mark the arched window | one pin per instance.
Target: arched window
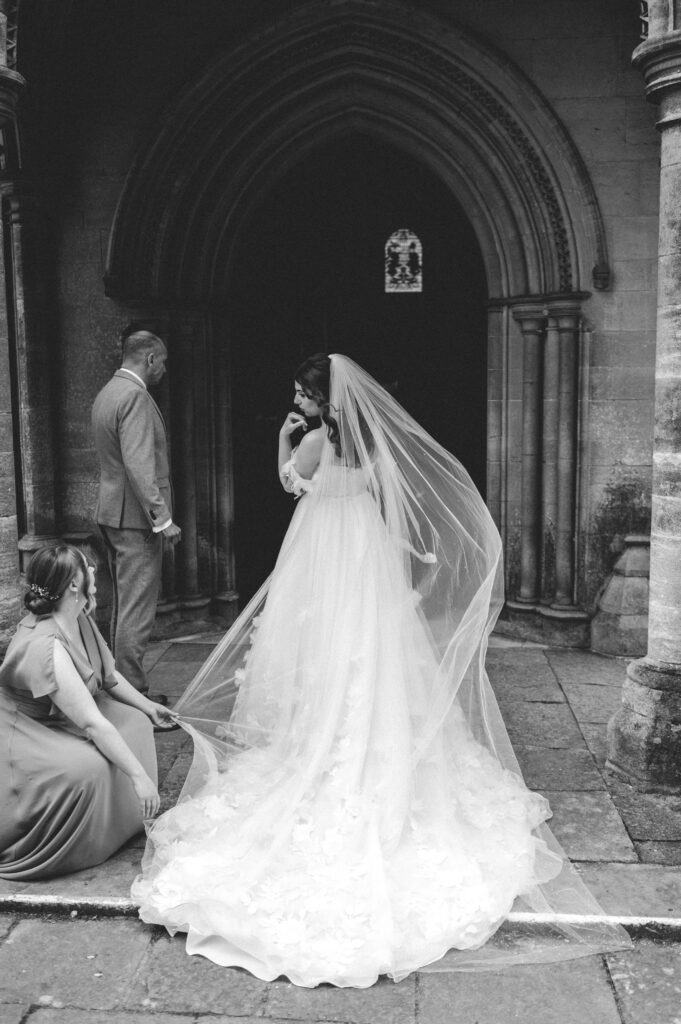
(403, 262)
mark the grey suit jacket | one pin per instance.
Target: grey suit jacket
(130, 438)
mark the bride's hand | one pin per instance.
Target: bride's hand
(292, 422)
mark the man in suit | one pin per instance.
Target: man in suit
(134, 508)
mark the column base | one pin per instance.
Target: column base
(556, 627)
(644, 736)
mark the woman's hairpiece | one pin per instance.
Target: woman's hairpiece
(43, 592)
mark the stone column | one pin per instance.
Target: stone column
(11, 84)
(495, 413)
(645, 734)
(532, 321)
(550, 427)
(226, 597)
(34, 372)
(567, 318)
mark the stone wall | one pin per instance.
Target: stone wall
(100, 82)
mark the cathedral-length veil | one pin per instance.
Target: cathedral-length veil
(353, 787)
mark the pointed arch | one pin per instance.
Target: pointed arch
(334, 68)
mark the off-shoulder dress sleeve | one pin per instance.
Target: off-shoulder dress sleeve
(289, 474)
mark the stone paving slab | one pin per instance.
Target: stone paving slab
(542, 725)
(647, 983)
(659, 853)
(168, 979)
(596, 740)
(180, 653)
(559, 769)
(112, 879)
(647, 816)
(384, 1003)
(16, 1014)
(577, 992)
(518, 674)
(589, 828)
(591, 703)
(636, 890)
(574, 666)
(85, 964)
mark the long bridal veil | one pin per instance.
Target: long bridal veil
(441, 563)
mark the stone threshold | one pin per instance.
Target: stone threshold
(659, 928)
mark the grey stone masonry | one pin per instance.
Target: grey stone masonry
(645, 734)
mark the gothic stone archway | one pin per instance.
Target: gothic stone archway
(442, 96)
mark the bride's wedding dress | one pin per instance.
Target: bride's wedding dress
(349, 816)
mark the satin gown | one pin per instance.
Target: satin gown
(327, 851)
(63, 805)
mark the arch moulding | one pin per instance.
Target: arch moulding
(435, 91)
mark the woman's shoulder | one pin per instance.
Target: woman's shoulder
(314, 440)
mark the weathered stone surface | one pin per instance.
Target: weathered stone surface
(56, 1016)
(171, 980)
(542, 725)
(522, 674)
(655, 852)
(6, 923)
(15, 1013)
(562, 769)
(196, 651)
(634, 889)
(113, 878)
(589, 828)
(87, 964)
(647, 816)
(644, 742)
(568, 993)
(585, 667)
(596, 740)
(647, 982)
(593, 704)
(382, 1003)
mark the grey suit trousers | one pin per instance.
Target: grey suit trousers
(135, 559)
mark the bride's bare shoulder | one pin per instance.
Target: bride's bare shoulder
(313, 441)
(310, 452)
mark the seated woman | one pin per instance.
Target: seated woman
(77, 757)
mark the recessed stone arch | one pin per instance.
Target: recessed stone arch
(442, 95)
(327, 68)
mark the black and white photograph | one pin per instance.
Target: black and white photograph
(340, 511)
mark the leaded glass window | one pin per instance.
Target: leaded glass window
(403, 262)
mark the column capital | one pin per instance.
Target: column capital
(659, 61)
(530, 314)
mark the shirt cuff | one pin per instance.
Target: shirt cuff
(162, 527)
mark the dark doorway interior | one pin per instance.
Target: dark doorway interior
(308, 277)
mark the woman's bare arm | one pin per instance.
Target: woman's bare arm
(75, 701)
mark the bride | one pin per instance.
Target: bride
(354, 807)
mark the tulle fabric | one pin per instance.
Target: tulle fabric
(354, 807)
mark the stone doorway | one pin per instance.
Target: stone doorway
(308, 275)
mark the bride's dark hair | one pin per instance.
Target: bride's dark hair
(314, 376)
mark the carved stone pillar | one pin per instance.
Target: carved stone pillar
(11, 84)
(566, 316)
(226, 597)
(495, 413)
(532, 322)
(550, 429)
(34, 372)
(644, 735)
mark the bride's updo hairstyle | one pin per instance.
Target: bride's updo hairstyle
(314, 377)
(49, 573)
